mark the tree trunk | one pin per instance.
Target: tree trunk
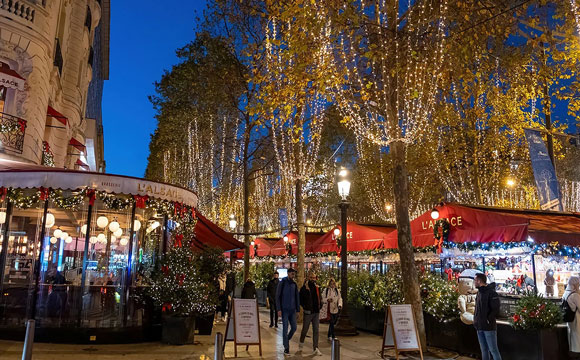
(246, 209)
(301, 232)
(409, 273)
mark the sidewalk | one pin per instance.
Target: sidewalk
(363, 346)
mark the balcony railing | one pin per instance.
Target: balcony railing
(58, 57)
(12, 131)
(19, 8)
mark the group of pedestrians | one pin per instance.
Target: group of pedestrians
(286, 299)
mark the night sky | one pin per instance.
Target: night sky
(144, 37)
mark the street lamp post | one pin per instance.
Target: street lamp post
(344, 326)
(233, 224)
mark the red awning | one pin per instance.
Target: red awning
(11, 79)
(82, 164)
(50, 111)
(279, 247)
(359, 237)
(264, 246)
(209, 234)
(77, 144)
(467, 224)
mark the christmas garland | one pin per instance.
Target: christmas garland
(183, 213)
(424, 250)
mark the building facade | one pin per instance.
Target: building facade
(54, 58)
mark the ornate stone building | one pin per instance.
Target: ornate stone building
(54, 57)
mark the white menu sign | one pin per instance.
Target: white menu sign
(246, 325)
(403, 323)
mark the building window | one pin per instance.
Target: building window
(58, 61)
(88, 19)
(2, 98)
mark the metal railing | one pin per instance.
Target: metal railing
(58, 60)
(12, 131)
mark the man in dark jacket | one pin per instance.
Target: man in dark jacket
(272, 286)
(486, 310)
(288, 304)
(249, 290)
(311, 304)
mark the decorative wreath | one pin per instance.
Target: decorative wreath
(442, 224)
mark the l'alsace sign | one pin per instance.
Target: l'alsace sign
(453, 221)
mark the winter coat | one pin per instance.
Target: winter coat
(272, 287)
(486, 308)
(249, 290)
(287, 297)
(336, 303)
(310, 298)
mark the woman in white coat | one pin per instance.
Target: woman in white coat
(331, 304)
(572, 295)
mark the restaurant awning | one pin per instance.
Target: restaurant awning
(22, 175)
(209, 234)
(360, 237)
(264, 246)
(488, 224)
(51, 112)
(77, 144)
(11, 79)
(280, 247)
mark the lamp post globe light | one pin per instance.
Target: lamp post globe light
(233, 225)
(344, 327)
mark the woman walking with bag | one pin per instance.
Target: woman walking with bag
(572, 297)
(331, 306)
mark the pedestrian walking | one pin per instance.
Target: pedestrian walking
(271, 290)
(572, 297)
(484, 319)
(249, 290)
(288, 304)
(311, 303)
(331, 306)
(222, 307)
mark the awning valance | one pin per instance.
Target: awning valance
(77, 144)
(280, 247)
(21, 176)
(11, 79)
(55, 114)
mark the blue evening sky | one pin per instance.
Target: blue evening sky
(144, 37)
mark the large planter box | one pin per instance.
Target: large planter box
(367, 320)
(204, 323)
(178, 330)
(261, 294)
(513, 344)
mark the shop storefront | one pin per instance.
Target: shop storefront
(76, 248)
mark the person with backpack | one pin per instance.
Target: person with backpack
(570, 305)
(486, 310)
(288, 304)
(331, 306)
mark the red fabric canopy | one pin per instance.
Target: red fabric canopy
(359, 237)
(467, 224)
(82, 164)
(264, 246)
(280, 247)
(209, 234)
(77, 144)
(55, 114)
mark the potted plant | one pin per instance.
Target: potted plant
(182, 292)
(535, 322)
